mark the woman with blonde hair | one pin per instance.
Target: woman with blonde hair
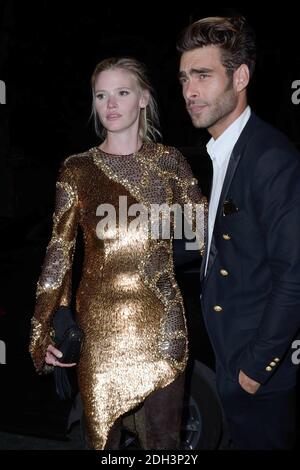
(128, 302)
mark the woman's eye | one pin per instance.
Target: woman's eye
(100, 96)
(124, 92)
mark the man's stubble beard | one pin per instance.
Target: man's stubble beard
(224, 105)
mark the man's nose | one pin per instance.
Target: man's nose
(191, 90)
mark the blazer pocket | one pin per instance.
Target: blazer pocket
(229, 207)
(233, 215)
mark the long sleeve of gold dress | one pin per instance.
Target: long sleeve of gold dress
(127, 302)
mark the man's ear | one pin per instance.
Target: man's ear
(144, 100)
(241, 78)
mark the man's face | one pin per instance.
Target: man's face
(209, 92)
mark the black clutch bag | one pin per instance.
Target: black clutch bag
(68, 339)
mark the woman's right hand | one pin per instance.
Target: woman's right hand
(53, 355)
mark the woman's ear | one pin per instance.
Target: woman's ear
(144, 100)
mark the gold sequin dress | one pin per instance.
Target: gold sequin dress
(127, 302)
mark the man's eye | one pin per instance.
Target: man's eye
(202, 76)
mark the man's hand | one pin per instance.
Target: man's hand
(247, 384)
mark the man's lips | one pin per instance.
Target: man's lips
(196, 108)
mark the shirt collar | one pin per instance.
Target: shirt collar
(220, 149)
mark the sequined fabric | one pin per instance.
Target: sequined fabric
(127, 302)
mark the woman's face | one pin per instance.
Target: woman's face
(118, 100)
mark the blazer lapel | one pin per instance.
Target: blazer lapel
(232, 166)
(203, 263)
(211, 258)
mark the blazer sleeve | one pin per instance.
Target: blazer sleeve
(276, 192)
(54, 283)
(188, 195)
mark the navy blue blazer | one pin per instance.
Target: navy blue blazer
(251, 291)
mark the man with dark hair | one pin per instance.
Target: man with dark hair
(251, 270)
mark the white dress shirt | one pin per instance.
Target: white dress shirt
(220, 151)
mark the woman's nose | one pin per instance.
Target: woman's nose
(112, 102)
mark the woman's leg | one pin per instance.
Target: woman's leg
(114, 436)
(158, 422)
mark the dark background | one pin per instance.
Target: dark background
(48, 51)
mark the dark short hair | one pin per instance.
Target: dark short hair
(233, 36)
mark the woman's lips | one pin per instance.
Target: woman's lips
(112, 117)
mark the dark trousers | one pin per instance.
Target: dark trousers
(266, 420)
(157, 422)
